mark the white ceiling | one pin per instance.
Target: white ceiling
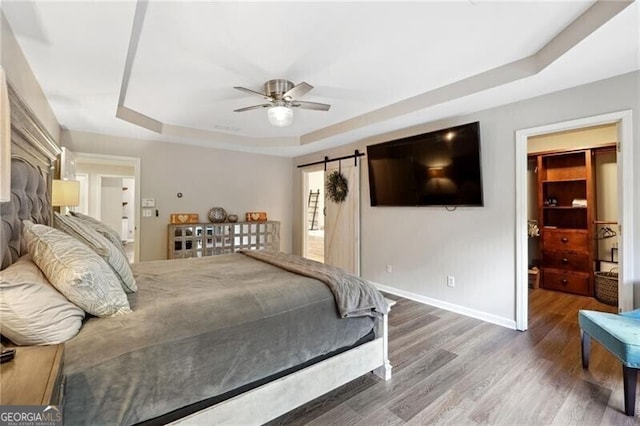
(382, 66)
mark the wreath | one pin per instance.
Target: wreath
(337, 187)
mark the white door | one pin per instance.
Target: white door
(111, 203)
(342, 221)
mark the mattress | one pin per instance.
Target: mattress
(200, 328)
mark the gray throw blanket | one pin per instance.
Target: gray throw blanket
(354, 296)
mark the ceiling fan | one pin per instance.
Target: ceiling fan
(282, 95)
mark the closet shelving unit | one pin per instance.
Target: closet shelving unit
(566, 204)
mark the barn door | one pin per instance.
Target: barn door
(342, 221)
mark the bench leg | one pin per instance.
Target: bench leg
(586, 348)
(629, 378)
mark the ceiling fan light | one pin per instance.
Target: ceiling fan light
(280, 116)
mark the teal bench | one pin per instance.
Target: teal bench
(620, 335)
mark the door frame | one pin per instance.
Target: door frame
(120, 160)
(624, 120)
(305, 210)
(83, 178)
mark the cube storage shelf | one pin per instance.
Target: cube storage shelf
(210, 239)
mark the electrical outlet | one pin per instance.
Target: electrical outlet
(451, 281)
(389, 269)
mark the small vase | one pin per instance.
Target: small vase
(217, 215)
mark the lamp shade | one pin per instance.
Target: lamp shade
(280, 116)
(65, 193)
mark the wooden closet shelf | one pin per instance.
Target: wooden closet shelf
(564, 208)
(564, 180)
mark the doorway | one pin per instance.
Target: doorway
(111, 191)
(623, 120)
(314, 211)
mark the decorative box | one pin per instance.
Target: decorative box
(184, 218)
(256, 216)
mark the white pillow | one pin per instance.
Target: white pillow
(101, 245)
(75, 270)
(32, 312)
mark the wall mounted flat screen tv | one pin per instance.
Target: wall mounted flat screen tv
(440, 168)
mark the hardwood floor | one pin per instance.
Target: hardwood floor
(315, 245)
(452, 369)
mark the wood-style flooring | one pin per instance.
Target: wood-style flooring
(452, 369)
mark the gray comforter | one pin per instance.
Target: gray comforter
(354, 297)
(199, 328)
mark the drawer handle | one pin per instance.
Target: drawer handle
(564, 239)
(564, 281)
(565, 260)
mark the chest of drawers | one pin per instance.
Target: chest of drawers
(565, 261)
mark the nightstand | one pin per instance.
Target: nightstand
(34, 377)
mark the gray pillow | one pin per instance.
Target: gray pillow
(103, 247)
(32, 311)
(102, 229)
(75, 270)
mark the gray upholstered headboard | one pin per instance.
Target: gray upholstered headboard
(33, 153)
(29, 200)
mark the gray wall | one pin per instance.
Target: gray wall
(476, 245)
(238, 182)
(424, 245)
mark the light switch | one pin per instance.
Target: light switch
(147, 212)
(148, 202)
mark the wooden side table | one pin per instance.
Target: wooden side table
(34, 377)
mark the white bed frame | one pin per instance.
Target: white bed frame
(273, 399)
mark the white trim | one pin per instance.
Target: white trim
(625, 205)
(521, 242)
(304, 174)
(626, 179)
(83, 178)
(493, 319)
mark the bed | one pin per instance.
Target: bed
(231, 339)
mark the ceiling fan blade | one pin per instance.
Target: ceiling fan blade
(311, 105)
(251, 92)
(297, 91)
(252, 107)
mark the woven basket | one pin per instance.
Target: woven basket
(606, 286)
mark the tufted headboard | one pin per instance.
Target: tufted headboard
(29, 200)
(33, 152)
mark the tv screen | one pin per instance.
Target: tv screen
(440, 168)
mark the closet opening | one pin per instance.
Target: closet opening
(572, 215)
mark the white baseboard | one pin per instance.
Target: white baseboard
(484, 316)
